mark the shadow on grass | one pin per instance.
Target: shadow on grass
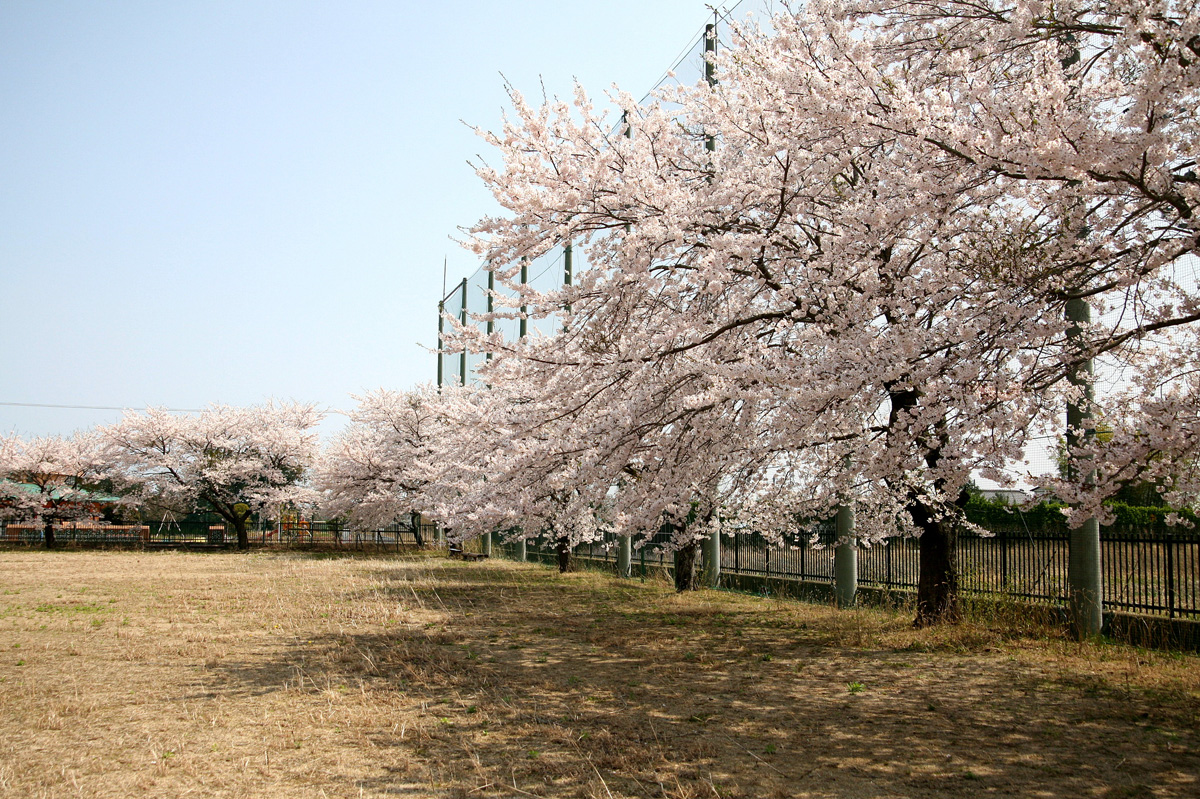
(579, 684)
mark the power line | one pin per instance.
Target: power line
(126, 408)
(43, 404)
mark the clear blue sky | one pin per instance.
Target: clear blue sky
(232, 201)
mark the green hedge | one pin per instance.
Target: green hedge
(1048, 517)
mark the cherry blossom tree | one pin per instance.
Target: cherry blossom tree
(46, 479)
(232, 461)
(375, 472)
(478, 451)
(862, 294)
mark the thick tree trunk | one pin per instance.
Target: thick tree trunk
(686, 572)
(48, 535)
(563, 546)
(937, 569)
(416, 525)
(243, 538)
(937, 575)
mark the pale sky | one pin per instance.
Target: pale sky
(233, 201)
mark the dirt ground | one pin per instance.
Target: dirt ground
(292, 675)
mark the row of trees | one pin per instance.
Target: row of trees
(235, 462)
(857, 271)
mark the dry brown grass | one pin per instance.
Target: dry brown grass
(285, 675)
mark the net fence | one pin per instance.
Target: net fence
(498, 309)
(484, 302)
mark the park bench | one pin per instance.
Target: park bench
(456, 551)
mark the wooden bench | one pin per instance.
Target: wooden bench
(457, 552)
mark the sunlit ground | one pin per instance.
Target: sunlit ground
(289, 675)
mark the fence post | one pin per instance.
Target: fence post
(625, 556)
(1004, 559)
(845, 559)
(888, 558)
(1170, 538)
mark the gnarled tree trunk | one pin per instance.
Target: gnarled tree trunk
(937, 568)
(239, 525)
(48, 535)
(563, 547)
(687, 561)
(937, 573)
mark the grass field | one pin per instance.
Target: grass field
(292, 675)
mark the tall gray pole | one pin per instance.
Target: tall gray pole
(625, 542)
(491, 326)
(845, 559)
(711, 552)
(524, 324)
(625, 556)
(522, 545)
(712, 560)
(568, 275)
(463, 320)
(1084, 579)
(441, 322)
(710, 71)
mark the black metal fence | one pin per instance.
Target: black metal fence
(216, 534)
(1153, 571)
(1148, 571)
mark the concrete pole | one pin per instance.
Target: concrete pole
(463, 320)
(625, 556)
(712, 561)
(711, 575)
(491, 325)
(845, 559)
(1084, 579)
(441, 323)
(710, 72)
(524, 323)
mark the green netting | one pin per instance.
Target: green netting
(546, 272)
(451, 363)
(477, 308)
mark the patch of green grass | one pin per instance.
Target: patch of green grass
(74, 607)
